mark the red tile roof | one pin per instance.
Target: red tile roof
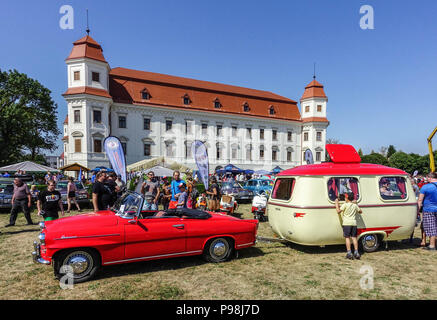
(315, 119)
(314, 89)
(86, 47)
(126, 86)
(66, 120)
(87, 90)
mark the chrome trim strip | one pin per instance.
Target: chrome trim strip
(83, 237)
(333, 207)
(245, 244)
(151, 257)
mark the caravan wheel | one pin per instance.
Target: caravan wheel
(370, 242)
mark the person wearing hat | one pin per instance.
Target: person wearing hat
(183, 195)
(384, 189)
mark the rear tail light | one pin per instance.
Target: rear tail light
(299, 214)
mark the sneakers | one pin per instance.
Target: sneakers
(349, 256)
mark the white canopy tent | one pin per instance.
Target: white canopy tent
(27, 166)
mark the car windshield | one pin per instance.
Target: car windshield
(127, 205)
(231, 185)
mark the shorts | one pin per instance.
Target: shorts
(350, 231)
(430, 223)
(72, 194)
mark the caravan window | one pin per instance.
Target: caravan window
(283, 188)
(392, 188)
(337, 187)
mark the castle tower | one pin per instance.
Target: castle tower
(313, 113)
(88, 102)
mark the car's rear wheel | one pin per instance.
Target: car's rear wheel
(218, 250)
(77, 265)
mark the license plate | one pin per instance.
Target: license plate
(245, 197)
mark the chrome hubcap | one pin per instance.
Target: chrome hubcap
(370, 241)
(79, 262)
(219, 249)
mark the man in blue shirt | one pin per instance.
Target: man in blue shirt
(428, 200)
(175, 185)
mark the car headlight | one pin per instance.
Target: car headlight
(42, 225)
(42, 238)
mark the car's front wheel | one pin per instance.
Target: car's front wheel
(77, 265)
(218, 250)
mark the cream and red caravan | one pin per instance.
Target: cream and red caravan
(301, 208)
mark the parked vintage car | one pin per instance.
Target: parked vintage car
(82, 196)
(77, 246)
(6, 191)
(258, 185)
(235, 189)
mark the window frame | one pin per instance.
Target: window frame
(392, 200)
(149, 124)
(120, 122)
(94, 116)
(342, 177)
(293, 187)
(95, 76)
(76, 114)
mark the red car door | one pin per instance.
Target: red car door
(154, 238)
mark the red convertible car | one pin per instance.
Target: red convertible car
(78, 246)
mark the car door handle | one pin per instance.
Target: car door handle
(179, 226)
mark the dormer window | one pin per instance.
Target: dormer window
(271, 110)
(186, 99)
(246, 107)
(96, 76)
(217, 104)
(145, 95)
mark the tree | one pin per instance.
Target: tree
(332, 141)
(375, 158)
(28, 118)
(390, 151)
(360, 153)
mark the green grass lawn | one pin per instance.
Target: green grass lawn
(269, 270)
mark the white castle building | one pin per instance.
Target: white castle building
(157, 115)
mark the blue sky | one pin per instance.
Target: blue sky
(381, 83)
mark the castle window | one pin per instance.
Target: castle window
(246, 107)
(289, 135)
(274, 135)
(147, 149)
(124, 147)
(305, 136)
(307, 108)
(122, 122)
(96, 76)
(146, 124)
(76, 75)
(319, 108)
(97, 116)
(77, 145)
(77, 116)
(168, 125)
(97, 145)
(261, 134)
(145, 95)
(318, 156)
(319, 136)
(271, 110)
(217, 104)
(186, 99)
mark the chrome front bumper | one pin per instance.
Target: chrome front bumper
(36, 255)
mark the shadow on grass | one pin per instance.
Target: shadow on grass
(145, 267)
(18, 231)
(385, 246)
